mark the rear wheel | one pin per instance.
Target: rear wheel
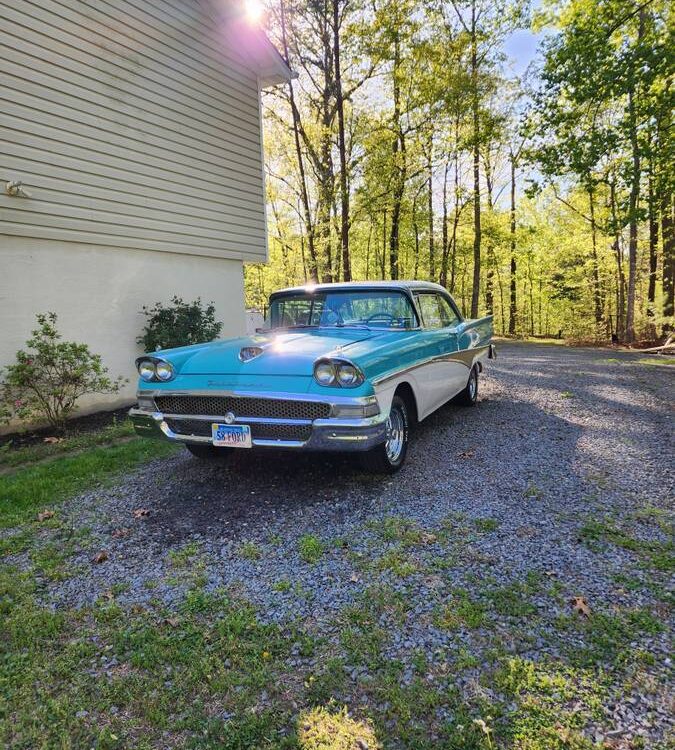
(388, 457)
(469, 395)
(209, 452)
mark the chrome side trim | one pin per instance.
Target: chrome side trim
(449, 357)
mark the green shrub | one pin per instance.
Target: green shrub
(46, 382)
(178, 324)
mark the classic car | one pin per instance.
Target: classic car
(338, 367)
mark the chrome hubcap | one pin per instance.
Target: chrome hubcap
(395, 435)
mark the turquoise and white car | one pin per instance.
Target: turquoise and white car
(339, 367)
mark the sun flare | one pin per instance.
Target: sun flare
(254, 10)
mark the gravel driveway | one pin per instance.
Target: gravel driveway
(560, 484)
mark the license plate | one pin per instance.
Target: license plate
(231, 435)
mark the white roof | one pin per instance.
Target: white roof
(345, 285)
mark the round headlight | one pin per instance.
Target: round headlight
(325, 373)
(164, 370)
(146, 369)
(347, 375)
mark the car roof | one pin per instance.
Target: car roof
(408, 286)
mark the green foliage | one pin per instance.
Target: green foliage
(310, 548)
(179, 324)
(581, 249)
(46, 381)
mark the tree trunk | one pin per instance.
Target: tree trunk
(490, 259)
(430, 202)
(597, 295)
(668, 251)
(398, 154)
(342, 146)
(620, 280)
(476, 165)
(653, 241)
(443, 279)
(513, 299)
(632, 219)
(307, 215)
(455, 219)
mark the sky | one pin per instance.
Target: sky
(521, 47)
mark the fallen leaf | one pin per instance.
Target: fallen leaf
(100, 557)
(173, 621)
(467, 454)
(119, 533)
(141, 513)
(45, 514)
(52, 440)
(580, 606)
(354, 578)
(427, 538)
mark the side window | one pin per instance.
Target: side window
(431, 316)
(448, 315)
(436, 311)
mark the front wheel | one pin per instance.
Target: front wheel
(208, 452)
(469, 395)
(388, 457)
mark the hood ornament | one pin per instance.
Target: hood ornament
(247, 353)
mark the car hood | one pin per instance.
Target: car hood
(283, 353)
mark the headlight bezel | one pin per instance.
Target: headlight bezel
(151, 365)
(334, 365)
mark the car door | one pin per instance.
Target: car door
(442, 376)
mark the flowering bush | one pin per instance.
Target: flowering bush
(180, 324)
(46, 382)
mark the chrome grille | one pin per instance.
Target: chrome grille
(243, 406)
(259, 430)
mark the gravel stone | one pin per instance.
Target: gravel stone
(560, 438)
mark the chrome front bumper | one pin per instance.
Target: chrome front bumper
(332, 434)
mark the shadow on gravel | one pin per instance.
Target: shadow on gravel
(498, 453)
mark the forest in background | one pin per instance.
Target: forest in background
(405, 148)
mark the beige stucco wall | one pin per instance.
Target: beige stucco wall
(98, 291)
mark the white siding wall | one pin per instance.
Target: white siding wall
(98, 292)
(132, 125)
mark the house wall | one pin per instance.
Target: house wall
(133, 124)
(98, 292)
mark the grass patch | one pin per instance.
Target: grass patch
(609, 639)
(486, 524)
(282, 586)
(327, 729)
(461, 612)
(397, 529)
(513, 600)
(657, 555)
(553, 702)
(250, 551)
(185, 556)
(310, 548)
(30, 489)
(42, 451)
(397, 561)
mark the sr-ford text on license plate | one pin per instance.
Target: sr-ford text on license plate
(231, 435)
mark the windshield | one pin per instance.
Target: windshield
(371, 309)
